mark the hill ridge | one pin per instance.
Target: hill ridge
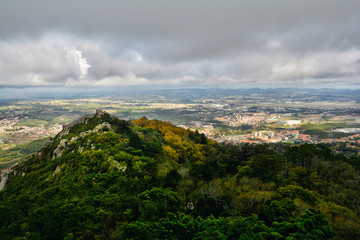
(106, 178)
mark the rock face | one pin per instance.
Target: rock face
(58, 152)
(4, 175)
(3, 178)
(57, 170)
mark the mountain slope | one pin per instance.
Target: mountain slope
(106, 178)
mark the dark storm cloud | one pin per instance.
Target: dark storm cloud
(159, 42)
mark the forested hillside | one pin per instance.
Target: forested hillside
(107, 178)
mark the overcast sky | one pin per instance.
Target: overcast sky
(272, 43)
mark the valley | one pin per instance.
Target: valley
(292, 116)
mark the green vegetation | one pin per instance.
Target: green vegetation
(321, 126)
(344, 149)
(20, 152)
(33, 123)
(323, 130)
(115, 179)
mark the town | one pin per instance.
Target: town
(236, 116)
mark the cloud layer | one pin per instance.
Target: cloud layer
(106, 43)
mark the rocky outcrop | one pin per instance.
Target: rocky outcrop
(64, 143)
(3, 178)
(4, 175)
(58, 152)
(57, 170)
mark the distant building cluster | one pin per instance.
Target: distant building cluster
(351, 140)
(268, 137)
(9, 126)
(239, 119)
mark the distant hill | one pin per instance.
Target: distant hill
(107, 178)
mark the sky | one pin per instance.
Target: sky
(221, 43)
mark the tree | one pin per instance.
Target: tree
(266, 166)
(157, 202)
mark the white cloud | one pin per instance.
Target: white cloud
(273, 44)
(127, 80)
(325, 65)
(62, 60)
(45, 61)
(77, 57)
(168, 42)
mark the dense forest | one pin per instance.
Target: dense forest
(108, 178)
